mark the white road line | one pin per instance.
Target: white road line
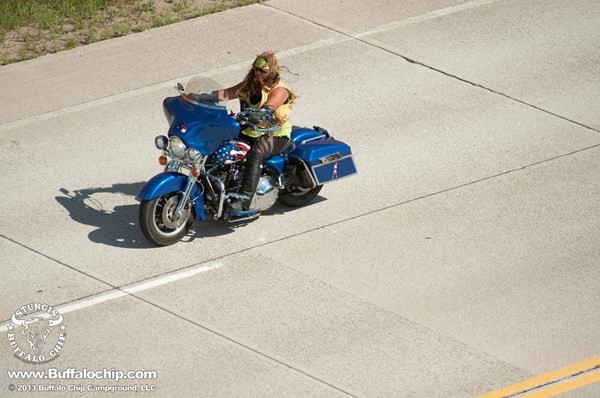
(134, 288)
(129, 289)
(242, 65)
(426, 17)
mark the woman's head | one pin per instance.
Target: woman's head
(266, 68)
(264, 72)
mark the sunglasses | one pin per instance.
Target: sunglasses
(260, 71)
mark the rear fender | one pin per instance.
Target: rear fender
(164, 183)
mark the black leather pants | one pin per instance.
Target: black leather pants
(261, 149)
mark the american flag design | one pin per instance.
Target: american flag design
(230, 152)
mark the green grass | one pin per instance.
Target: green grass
(31, 28)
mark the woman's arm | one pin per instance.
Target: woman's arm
(277, 98)
(229, 93)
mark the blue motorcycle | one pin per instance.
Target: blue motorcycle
(203, 161)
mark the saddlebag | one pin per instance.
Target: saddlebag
(328, 160)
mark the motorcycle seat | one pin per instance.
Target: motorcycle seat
(291, 146)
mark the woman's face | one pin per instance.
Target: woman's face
(261, 70)
(260, 75)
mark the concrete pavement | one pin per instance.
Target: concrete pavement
(462, 258)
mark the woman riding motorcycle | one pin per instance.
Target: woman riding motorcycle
(261, 90)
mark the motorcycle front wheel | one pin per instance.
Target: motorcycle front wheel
(159, 223)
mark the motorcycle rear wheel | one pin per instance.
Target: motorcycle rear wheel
(158, 222)
(300, 196)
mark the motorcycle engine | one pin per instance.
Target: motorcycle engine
(266, 194)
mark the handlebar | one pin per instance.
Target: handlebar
(243, 118)
(260, 117)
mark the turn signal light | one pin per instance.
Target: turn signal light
(195, 172)
(162, 160)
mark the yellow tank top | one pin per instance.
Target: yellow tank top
(281, 116)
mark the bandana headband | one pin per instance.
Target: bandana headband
(263, 65)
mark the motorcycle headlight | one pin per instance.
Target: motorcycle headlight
(177, 147)
(161, 142)
(193, 154)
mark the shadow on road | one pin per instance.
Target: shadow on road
(118, 225)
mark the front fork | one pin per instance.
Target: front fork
(174, 166)
(186, 194)
(221, 195)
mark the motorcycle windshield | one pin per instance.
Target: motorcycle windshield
(203, 126)
(200, 84)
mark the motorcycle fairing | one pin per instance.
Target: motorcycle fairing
(163, 183)
(201, 126)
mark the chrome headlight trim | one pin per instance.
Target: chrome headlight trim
(193, 154)
(177, 147)
(161, 142)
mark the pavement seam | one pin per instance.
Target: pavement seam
(243, 250)
(357, 37)
(281, 362)
(343, 36)
(245, 346)
(123, 289)
(570, 376)
(477, 85)
(407, 59)
(427, 196)
(112, 287)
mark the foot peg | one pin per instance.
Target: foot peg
(236, 216)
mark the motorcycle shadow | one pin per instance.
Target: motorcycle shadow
(113, 211)
(105, 209)
(279, 209)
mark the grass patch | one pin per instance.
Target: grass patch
(31, 28)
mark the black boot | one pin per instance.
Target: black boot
(243, 199)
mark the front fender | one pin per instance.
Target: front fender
(164, 183)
